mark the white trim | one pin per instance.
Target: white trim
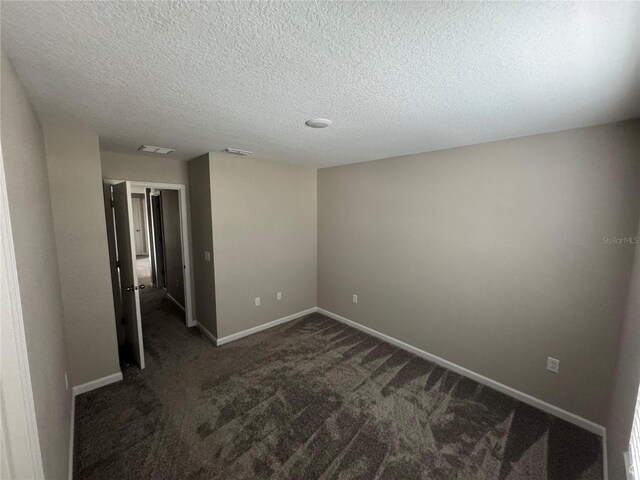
(21, 453)
(264, 326)
(512, 392)
(627, 465)
(93, 384)
(184, 232)
(605, 458)
(175, 301)
(186, 257)
(71, 435)
(207, 333)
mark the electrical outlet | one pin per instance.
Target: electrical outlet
(355, 298)
(257, 301)
(553, 364)
(207, 256)
(279, 296)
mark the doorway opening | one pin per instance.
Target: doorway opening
(150, 261)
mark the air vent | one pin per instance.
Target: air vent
(235, 151)
(152, 149)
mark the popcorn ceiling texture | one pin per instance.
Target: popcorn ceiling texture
(396, 78)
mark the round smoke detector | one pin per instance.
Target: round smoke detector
(318, 123)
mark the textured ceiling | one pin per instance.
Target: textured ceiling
(396, 78)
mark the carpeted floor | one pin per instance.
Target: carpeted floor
(311, 399)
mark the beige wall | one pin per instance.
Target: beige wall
(174, 276)
(264, 240)
(202, 235)
(491, 256)
(627, 376)
(122, 166)
(75, 181)
(35, 250)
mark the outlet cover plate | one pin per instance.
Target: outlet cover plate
(553, 364)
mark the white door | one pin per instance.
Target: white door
(122, 206)
(139, 224)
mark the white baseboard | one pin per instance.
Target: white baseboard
(177, 304)
(627, 465)
(71, 434)
(100, 382)
(206, 332)
(523, 397)
(264, 326)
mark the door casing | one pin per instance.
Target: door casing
(184, 237)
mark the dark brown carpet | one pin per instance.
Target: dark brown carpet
(311, 399)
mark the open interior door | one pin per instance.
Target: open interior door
(125, 241)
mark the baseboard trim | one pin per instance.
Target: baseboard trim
(71, 434)
(100, 382)
(264, 326)
(207, 333)
(512, 392)
(177, 304)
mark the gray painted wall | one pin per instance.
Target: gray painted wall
(264, 240)
(202, 239)
(75, 181)
(491, 256)
(174, 275)
(627, 376)
(25, 166)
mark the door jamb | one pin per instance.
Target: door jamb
(22, 454)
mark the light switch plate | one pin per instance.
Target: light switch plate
(207, 256)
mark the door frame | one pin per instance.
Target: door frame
(184, 237)
(20, 453)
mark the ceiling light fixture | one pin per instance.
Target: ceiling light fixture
(318, 123)
(236, 151)
(152, 149)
